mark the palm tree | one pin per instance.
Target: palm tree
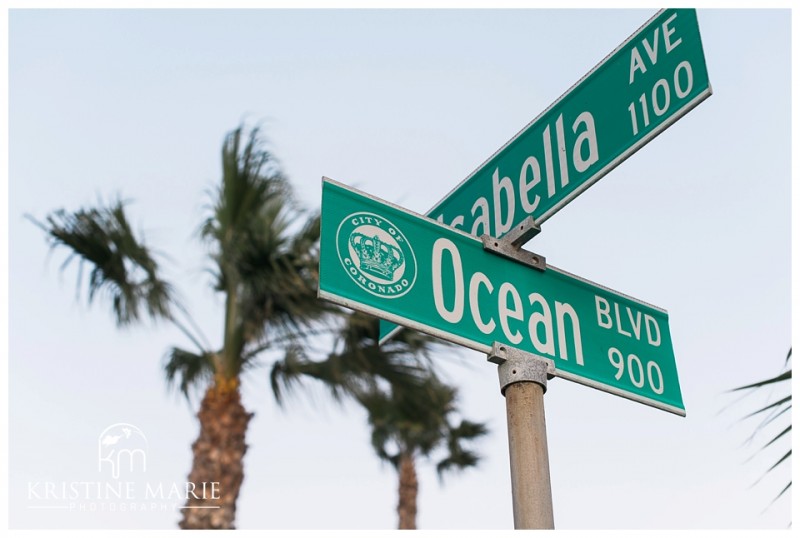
(776, 409)
(267, 272)
(410, 424)
(408, 408)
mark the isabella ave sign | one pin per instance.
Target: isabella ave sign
(389, 262)
(656, 76)
(650, 81)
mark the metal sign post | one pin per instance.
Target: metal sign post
(523, 382)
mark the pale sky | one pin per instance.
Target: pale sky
(402, 105)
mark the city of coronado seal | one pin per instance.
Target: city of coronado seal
(376, 255)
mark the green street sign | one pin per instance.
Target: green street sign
(400, 266)
(651, 80)
(656, 76)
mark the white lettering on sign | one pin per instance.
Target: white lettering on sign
(506, 306)
(483, 219)
(651, 48)
(667, 31)
(526, 186)
(544, 319)
(508, 290)
(453, 315)
(502, 226)
(562, 310)
(587, 138)
(661, 95)
(474, 305)
(633, 319)
(636, 371)
(494, 213)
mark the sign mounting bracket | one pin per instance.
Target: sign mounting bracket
(515, 366)
(523, 382)
(510, 245)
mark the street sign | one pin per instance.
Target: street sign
(651, 80)
(656, 76)
(397, 265)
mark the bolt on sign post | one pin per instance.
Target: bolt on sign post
(651, 80)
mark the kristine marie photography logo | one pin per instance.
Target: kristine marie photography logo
(121, 484)
(122, 444)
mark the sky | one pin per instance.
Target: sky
(402, 104)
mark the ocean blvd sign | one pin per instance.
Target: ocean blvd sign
(412, 270)
(651, 80)
(656, 76)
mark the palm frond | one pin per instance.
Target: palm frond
(186, 369)
(785, 431)
(785, 376)
(251, 179)
(410, 353)
(251, 176)
(266, 265)
(122, 267)
(456, 461)
(288, 373)
(279, 278)
(771, 406)
(339, 374)
(468, 430)
(357, 365)
(458, 457)
(783, 458)
(776, 408)
(784, 490)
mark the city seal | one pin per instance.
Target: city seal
(376, 255)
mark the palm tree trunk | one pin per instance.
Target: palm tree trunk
(218, 459)
(407, 504)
